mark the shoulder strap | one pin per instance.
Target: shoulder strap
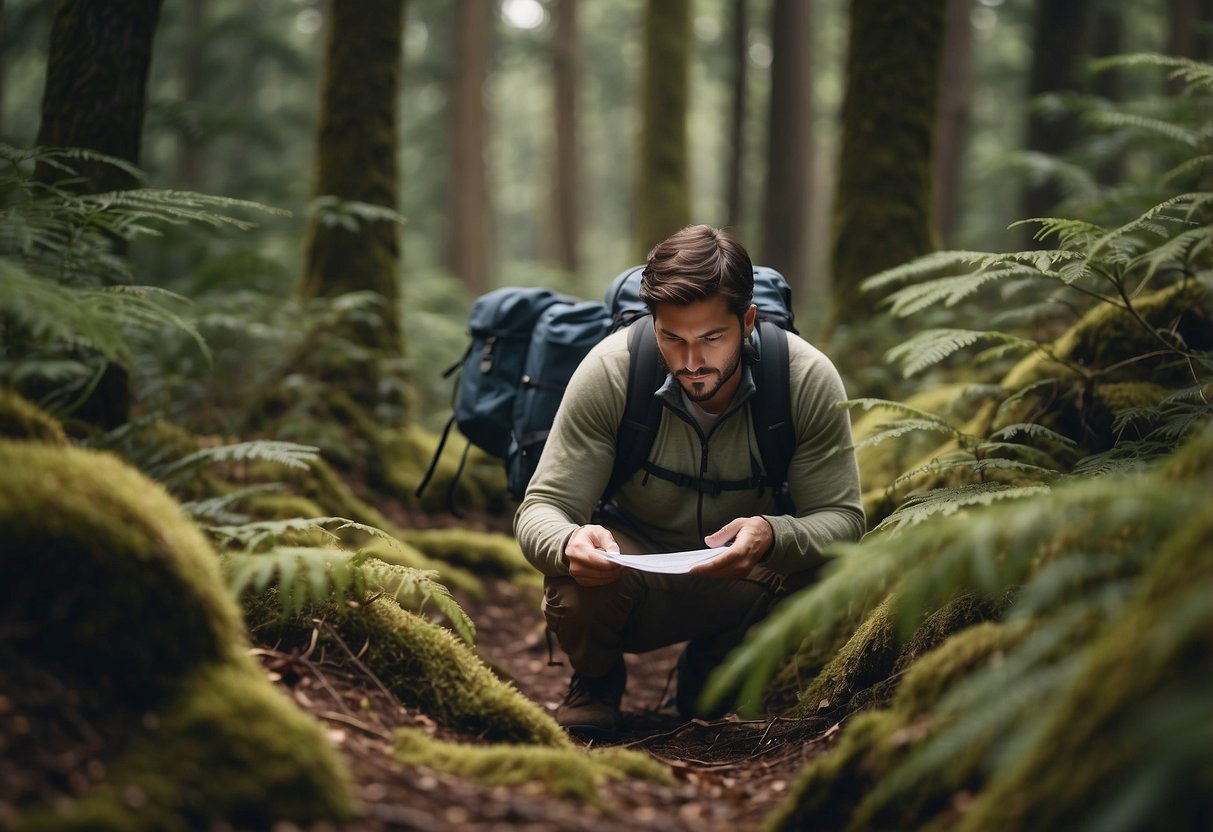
(771, 407)
(642, 411)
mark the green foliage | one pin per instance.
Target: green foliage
(305, 575)
(68, 306)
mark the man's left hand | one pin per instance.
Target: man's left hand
(748, 539)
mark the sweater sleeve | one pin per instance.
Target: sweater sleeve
(824, 483)
(577, 458)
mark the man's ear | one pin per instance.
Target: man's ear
(751, 315)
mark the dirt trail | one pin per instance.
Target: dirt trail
(729, 773)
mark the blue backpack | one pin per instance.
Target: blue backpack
(526, 343)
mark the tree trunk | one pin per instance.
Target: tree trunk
(469, 231)
(566, 49)
(1057, 53)
(790, 143)
(663, 200)
(740, 49)
(356, 162)
(96, 86)
(95, 98)
(191, 172)
(1190, 34)
(954, 104)
(882, 211)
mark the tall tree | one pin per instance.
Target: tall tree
(789, 142)
(739, 50)
(1190, 30)
(95, 98)
(566, 55)
(356, 163)
(662, 194)
(956, 89)
(96, 85)
(470, 233)
(191, 169)
(1060, 29)
(882, 211)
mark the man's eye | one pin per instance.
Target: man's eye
(712, 339)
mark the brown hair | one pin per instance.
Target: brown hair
(697, 263)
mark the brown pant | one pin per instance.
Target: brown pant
(643, 611)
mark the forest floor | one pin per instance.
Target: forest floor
(729, 773)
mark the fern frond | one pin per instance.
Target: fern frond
(258, 534)
(947, 290)
(1075, 235)
(892, 430)
(303, 574)
(898, 407)
(290, 454)
(942, 502)
(932, 346)
(1033, 431)
(1023, 393)
(1193, 73)
(1177, 250)
(415, 589)
(1188, 168)
(977, 467)
(928, 264)
(1153, 127)
(217, 509)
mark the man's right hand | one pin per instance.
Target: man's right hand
(583, 553)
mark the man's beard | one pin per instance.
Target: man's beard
(700, 391)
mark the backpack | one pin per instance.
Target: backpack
(526, 343)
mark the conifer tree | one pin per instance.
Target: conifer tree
(882, 211)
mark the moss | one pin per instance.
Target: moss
(230, 748)
(403, 553)
(1107, 335)
(865, 660)
(280, 507)
(929, 676)
(94, 552)
(405, 457)
(485, 553)
(1135, 721)
(562, 772)
(19, 419)
(429, 667)
(940, 625)
(827, 789)
(91, 548)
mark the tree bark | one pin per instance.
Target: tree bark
(790, 143)
(954, 105)
(566, 53)
(739, 83)
(469, 231)
(191, 170)
(95, 98)
(1056, 49)
(663, 200)
(356, 161)
(882, 211)
(96, 86)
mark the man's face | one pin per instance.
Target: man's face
(701, 345)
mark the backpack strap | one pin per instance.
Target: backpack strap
(642, 411)
(771, 410)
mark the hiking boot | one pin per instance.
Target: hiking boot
(695, 664)
(590, 709)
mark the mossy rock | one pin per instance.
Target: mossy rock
(20, 419)
(406, 455)
(93, 553)
(483, 553)
(424, 665)
(866, 659)
(561, 772)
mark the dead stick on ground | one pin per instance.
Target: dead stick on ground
(357, 661)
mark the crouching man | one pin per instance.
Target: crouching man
(698, 285)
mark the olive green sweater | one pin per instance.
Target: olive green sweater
(579, 455)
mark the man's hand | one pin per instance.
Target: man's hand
(583, 553)
(748, 539)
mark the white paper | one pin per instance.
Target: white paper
(669, 563)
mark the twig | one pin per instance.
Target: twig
(354, 723)
(357, 661)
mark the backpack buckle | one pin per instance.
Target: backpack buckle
(486, 355)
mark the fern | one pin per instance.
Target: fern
(290, 454)
(942, 502)
(257, 535)
(218, 509)
(928, 348)
(307, 575)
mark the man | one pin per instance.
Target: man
(698, 285)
